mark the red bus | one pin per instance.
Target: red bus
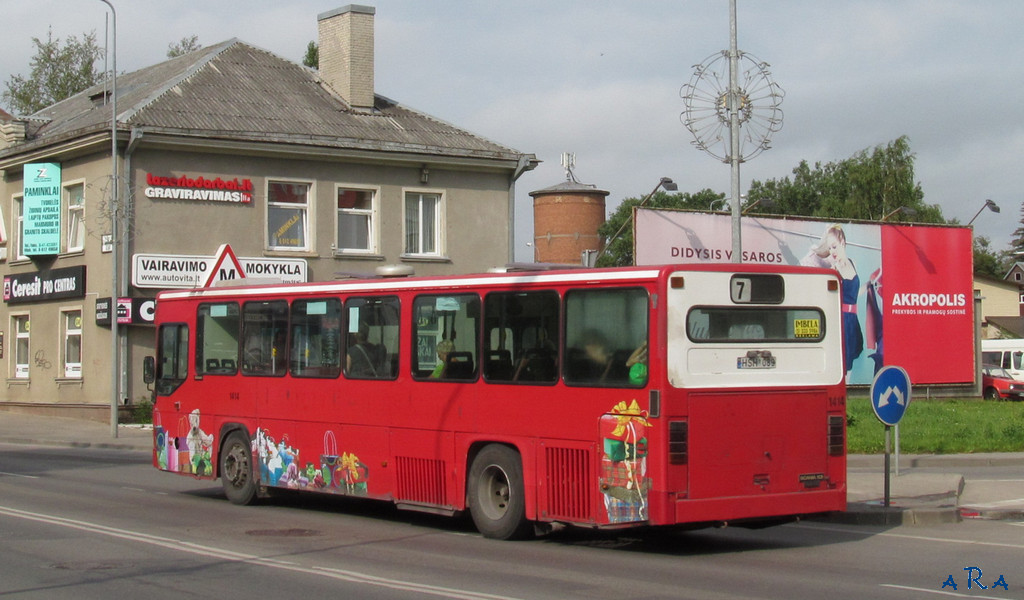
(697, 395)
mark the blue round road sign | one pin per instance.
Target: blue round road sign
(890, 394)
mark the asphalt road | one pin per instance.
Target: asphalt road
(95, 523)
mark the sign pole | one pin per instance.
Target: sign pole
(887, 495)
(890, 395)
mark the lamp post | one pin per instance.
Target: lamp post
(114, 283)
(901, 209)
(666, 183)
(989, 204)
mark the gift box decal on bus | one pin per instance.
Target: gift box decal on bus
(624, 480)
(280, 466)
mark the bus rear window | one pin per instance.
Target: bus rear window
(717, 324)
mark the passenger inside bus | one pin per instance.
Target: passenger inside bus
(364, 360)
(444, 348)
(597, 363)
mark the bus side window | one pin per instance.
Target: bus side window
(316, 338)
(371, 351)
(606, 337)
(217, 339)
(264, 338)
(446, 329)
(522, 340)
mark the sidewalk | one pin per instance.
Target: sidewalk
(940, 495)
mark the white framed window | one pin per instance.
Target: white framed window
(424, 222)
(357, 222)
(20, 326)
(71, 323)
(288, 215)
(74, 202)
(18, 210)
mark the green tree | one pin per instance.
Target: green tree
(986, 261)
(59, 71)
(619, 251)
(312, 58)
(186, 45)
(1017, 243)
(871, 185)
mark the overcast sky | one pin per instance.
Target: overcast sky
(602, 79)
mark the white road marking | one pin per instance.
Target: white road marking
(923, 538)
(219, 553)
(942, 592)
(18, 475)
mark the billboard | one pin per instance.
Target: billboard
(921, 319)
(40, 233)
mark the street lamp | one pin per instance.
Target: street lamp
(901, 209)
(666, 183)
(115, 350)
(989, 204)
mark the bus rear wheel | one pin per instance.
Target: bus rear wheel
(496, 499)
(236, 474)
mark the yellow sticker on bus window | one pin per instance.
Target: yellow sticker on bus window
(806, 328)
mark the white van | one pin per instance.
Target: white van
(1006, 353)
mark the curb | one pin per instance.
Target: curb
(895, 516)
(991, 514)
(69, 444)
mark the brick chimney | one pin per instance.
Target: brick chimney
(346, 53)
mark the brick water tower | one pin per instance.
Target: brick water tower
(565, 220)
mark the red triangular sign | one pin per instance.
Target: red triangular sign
(225, 268)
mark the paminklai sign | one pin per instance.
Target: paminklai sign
(40, 233)
(185, 272)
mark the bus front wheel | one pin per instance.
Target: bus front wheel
(495, 495)
(236, 474)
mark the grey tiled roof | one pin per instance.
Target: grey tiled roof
(235, 91)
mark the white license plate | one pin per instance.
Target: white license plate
(755, 362)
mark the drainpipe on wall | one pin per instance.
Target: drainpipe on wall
(127, 246)
(524, 164)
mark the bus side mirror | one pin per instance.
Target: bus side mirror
(148, 369)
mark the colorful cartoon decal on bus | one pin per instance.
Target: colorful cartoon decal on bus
(624, 480)
(188, 452)
(280, 466)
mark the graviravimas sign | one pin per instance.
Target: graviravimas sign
(185, 187)
(921, 319)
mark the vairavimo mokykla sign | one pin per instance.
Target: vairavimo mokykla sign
(921, 318)
(180, 271)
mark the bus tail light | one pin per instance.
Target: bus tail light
(836, 441)
(678, 443)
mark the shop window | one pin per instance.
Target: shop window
(423, 224)
(20, 326)
(72, 325)
(356, 223)
(288, 215)
(75, 202)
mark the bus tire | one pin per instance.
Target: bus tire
(236, 474)
(495, 494)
